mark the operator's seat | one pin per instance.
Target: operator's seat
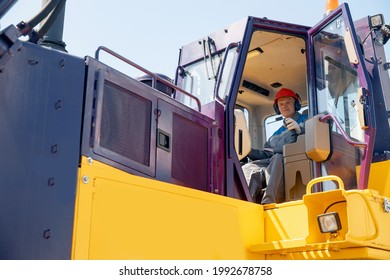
(297, 168)
(242, 138)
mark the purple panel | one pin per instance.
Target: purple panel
(216, 111)
(190, 153)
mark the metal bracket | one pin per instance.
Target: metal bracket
(9, 44)
(386, 205)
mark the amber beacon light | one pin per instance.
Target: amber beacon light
(331, 5)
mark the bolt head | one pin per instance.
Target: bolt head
(85, 179)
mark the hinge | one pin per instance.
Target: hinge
(157, 113)
(93, 112)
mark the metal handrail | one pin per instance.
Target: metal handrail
(372, 214)
(363, 180)
(230, 46)
(322, 179)
(346, 137)
(154, 76)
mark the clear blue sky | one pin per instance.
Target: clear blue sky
(151, 32)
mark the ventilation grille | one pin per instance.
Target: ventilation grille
(255, 88)
(189, 153)
(126, 124)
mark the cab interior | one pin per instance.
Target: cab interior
(274, 61)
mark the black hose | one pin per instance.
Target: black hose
(45, 26)
(43, 13)
(327, 208)
(5, 6)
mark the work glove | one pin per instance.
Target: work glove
(291, 124)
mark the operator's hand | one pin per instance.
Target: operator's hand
(291, 124)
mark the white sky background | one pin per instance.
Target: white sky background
(150, 33)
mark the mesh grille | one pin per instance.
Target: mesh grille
(189, 153)
(125, 125)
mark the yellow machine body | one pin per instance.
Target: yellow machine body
(122, 216)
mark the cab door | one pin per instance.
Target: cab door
(342, 92)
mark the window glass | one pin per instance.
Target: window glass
(337, 85)
(227, 74)
(337, 80)
(201, 78)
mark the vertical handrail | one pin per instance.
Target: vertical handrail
(154, 76)
(231, 45)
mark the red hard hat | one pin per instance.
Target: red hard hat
(285, 92)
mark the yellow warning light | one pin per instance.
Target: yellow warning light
(330, 6)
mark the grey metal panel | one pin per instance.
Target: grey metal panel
(41, 98)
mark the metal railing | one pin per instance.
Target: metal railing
(366, 161)
(345, 135)
(154, 76)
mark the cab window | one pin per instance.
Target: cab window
(337, 81)
(200, 78)
(337, 85)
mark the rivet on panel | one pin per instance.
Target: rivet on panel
(51, 182)
(62, 63)
(54, 149)
(58, 105)
(46, 234)
(32, 62)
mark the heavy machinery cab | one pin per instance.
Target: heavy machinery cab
(100, 165)
(330, 66)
